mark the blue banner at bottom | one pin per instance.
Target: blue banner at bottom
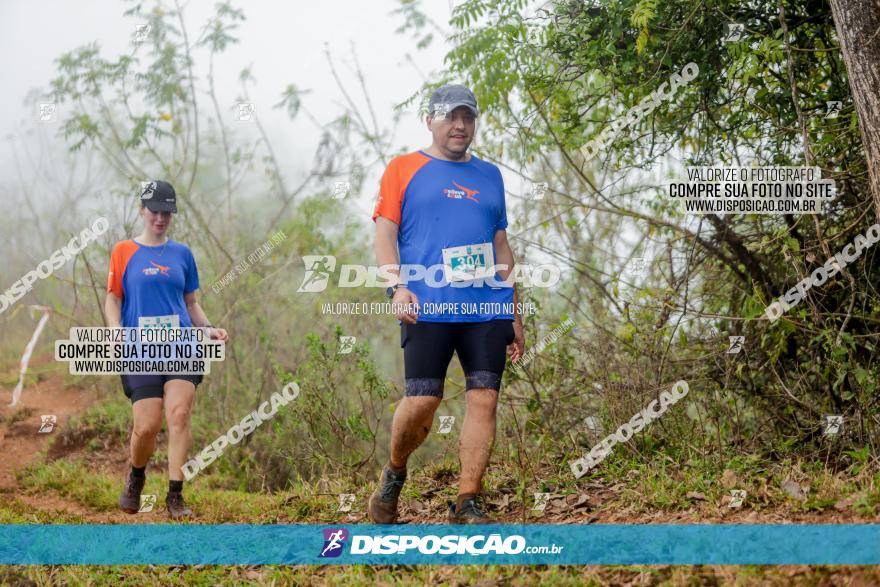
(441, 544)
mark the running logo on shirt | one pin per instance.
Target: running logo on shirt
(157, 269)
(461, 192)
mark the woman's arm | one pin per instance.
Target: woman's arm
(198, 318)
(113, 310)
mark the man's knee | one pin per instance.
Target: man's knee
(421, 407)
(482, 400)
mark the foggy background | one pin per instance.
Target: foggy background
(282, 43)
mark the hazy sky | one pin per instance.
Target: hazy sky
(283, 43)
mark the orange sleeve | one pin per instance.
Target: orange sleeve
(119, 258)
(394, 183)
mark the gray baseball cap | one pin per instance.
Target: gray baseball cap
(449, 97)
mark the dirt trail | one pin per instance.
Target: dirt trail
(600, 502)
(597, 511)
(21, 443)
(20, 438)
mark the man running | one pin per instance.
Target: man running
(442, 207)
(153, 283)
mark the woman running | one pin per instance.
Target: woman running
(153, 282)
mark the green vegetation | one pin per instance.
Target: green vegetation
(548, 80)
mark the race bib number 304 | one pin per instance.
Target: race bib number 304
(469, 262)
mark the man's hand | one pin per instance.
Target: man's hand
(218, 334)
(518, 346)
(404, 297)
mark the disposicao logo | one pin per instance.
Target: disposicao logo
(319, 268)
(55, 261)
(431, 544)
(334, 539)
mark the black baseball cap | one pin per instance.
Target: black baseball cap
(449, 97)
(159, 196)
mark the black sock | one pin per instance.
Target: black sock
(139, 472)
(175, 486)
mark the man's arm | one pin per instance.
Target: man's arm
(388, 256)
(385, 247)
(504, 256)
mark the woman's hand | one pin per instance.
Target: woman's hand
(218, 334)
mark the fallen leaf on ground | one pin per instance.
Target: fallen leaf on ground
(576, 501)
(846, 503)
(557, 505)
(503, 502)
(794, 489)
(418, 506)
(729, 479)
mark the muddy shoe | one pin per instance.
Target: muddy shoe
(130, 500)
(382, 508)
(470, 513)
(176, 506)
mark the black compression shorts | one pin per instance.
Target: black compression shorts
(143, 386)
(428, 347)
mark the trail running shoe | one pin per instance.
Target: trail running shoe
(382, 508)
(176, 506)
(470, 513)
(130, 500)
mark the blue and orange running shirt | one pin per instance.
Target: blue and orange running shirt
(151, 282)
(452, 207)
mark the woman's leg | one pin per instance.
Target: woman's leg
(147, 414)
(179, 397)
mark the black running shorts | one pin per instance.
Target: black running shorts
(428, 347)
(143, 386)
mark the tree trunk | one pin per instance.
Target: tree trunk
(858, 30)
